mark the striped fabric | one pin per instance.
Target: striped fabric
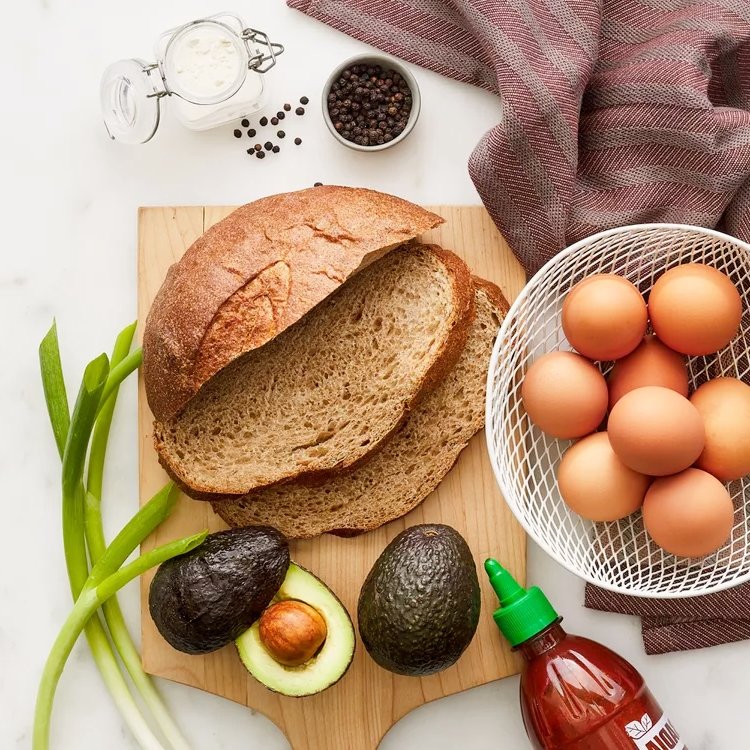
(612, 112)
(682, 624)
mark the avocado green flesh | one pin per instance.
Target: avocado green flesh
(333, 657)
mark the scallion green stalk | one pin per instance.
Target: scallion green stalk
(93, 595)
(53, 383)
(73, 493)
(81, 510)
(159, 508)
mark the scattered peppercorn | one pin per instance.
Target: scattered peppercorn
(245, 123)
(280, 114)
(299, 111)
(238, 134)
(251, 133)
(268, 145)
(297, 141)
(258, 147)
(304, 100)
(287, 107)
(276, 149)
(260, 154)
(281, 134)
(274, 121)
(369, 105)
(251, 150)
(318, 184)
(263, 121)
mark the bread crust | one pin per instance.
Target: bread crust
(257, 272)
(495, 294)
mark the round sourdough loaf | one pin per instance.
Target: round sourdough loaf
(257, 272)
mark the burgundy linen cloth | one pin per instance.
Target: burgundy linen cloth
(611, 113)
(682, 624)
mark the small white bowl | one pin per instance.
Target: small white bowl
(388, 63)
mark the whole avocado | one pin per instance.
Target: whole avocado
(419, 606)
(206, 598)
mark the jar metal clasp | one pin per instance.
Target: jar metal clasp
(159, 84)
(257, 60)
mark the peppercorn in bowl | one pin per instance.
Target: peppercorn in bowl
(371, 102)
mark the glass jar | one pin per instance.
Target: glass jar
(211, 68)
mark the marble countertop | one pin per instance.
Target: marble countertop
(70, 198)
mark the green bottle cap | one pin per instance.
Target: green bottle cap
(523, 613)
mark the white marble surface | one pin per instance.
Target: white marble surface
(68, 249)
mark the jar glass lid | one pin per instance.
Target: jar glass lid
(130, 92)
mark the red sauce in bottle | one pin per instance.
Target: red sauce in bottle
(575, 693)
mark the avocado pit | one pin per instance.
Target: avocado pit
(292, 632)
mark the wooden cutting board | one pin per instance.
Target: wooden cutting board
(359, 710)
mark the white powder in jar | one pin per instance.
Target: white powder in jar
(205, 61)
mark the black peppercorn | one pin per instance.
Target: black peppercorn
(280, 115)
(304, 100)
(281, 134)
(287, 107)
(264, 121)
(245, 123)
(318, 184)
(268, 145)
(260, 154)
(299, 111)
(276, 149)
(238, 134)
(274, 121)
(369, 105)
(297, 141)
(251, 133)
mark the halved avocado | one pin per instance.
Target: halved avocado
(328, 665)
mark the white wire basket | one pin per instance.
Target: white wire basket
(618, 555)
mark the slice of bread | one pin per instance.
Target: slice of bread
(258, 271)
(411, 464)
(329, 390)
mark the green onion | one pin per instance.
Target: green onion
(158, 508)
(54, 387)
(74, 458)
(82, 523)
(129, 364)
(93, 595)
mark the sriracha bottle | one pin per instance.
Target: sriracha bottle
(575, 693)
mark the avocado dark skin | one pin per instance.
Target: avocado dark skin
(206, 598)
(419, 606)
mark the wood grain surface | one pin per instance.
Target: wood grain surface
(359, 710)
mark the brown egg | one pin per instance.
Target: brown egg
(695, 309)
(689, 514)
(724, 404)
(596, 484)
(651, 363)
(604, 317)
(656, 431)
(565, 395)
